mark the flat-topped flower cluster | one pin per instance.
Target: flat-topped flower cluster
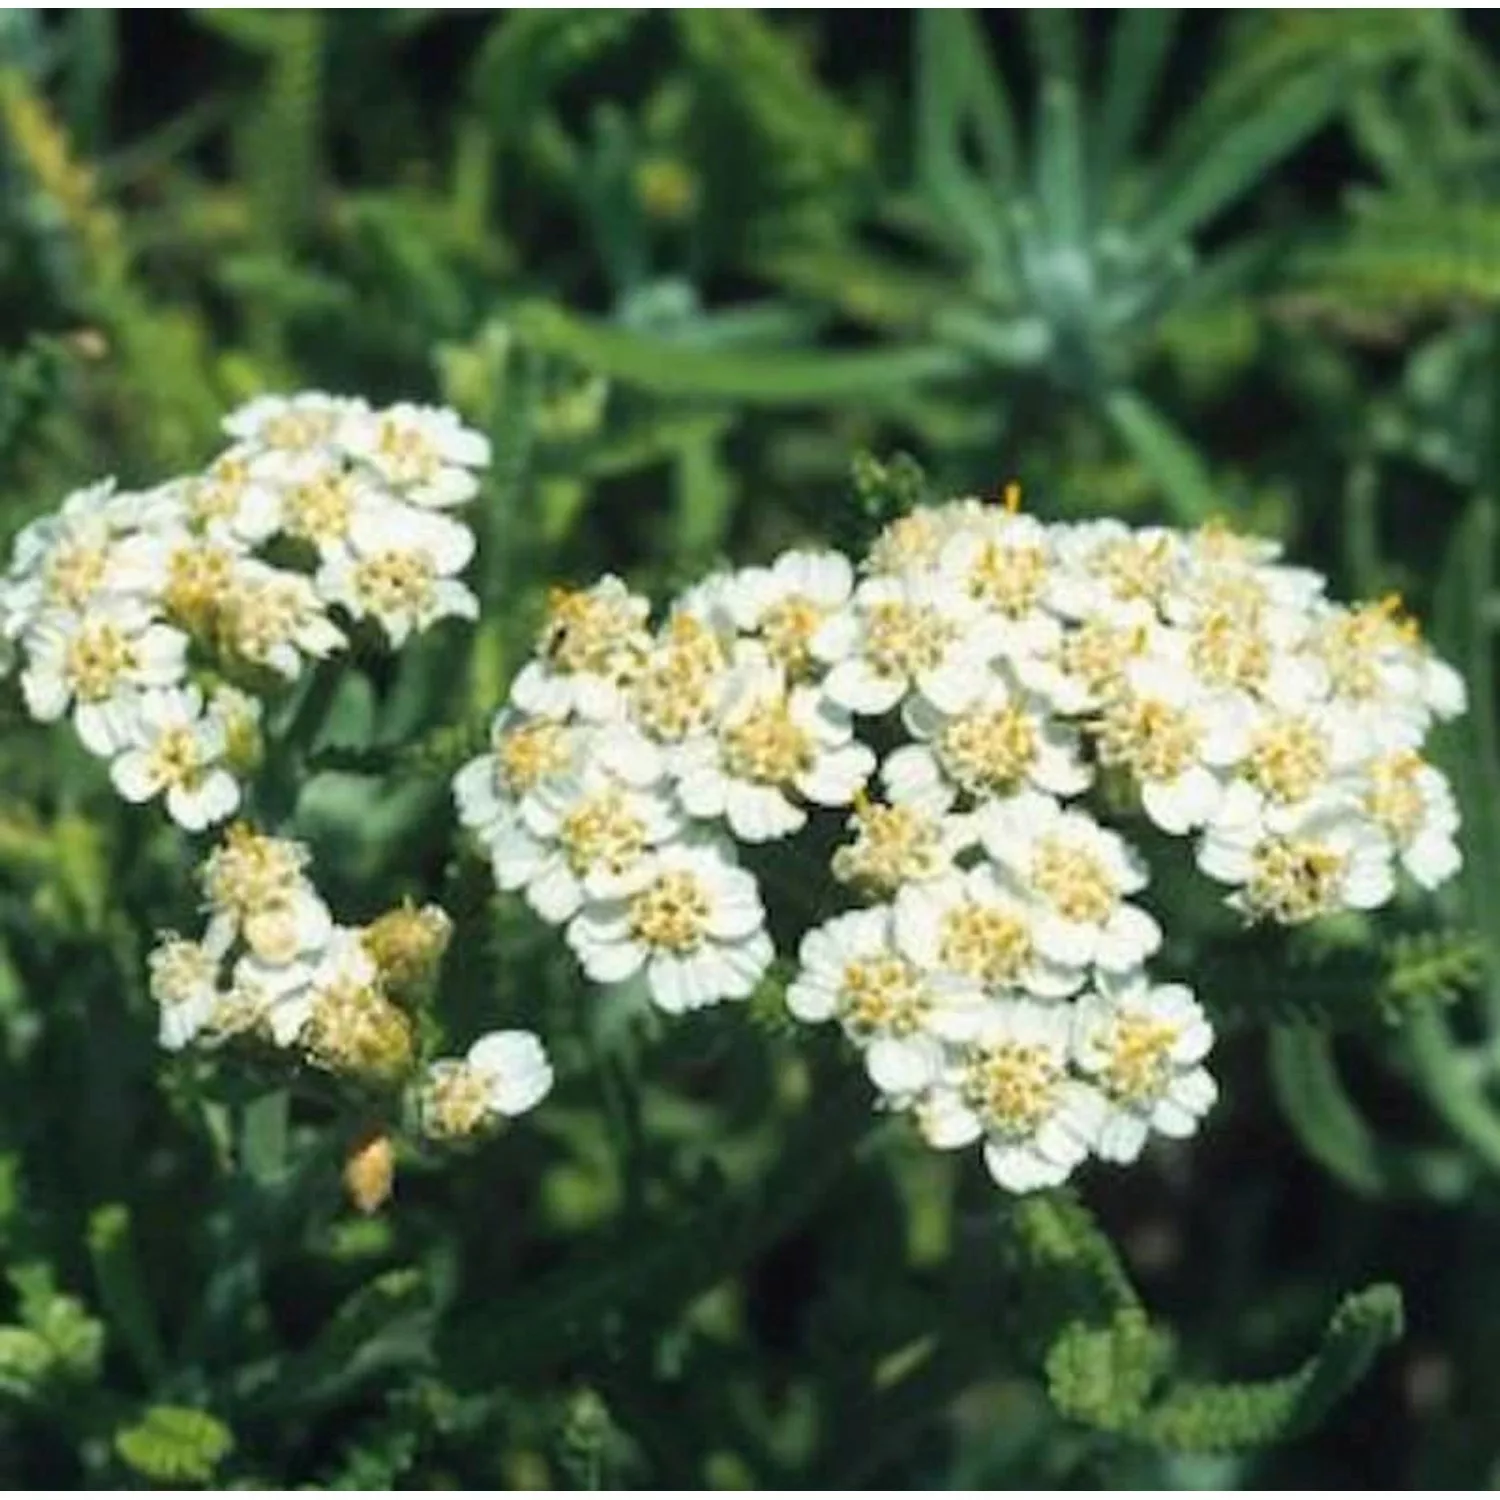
(272, 965)
(980, 695)
(158, 620)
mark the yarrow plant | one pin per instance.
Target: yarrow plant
(987, 702)
(166, 624)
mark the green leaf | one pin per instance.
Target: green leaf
(386, 1325)
(951, 59)
(1311, 1095)
(1139, 41)
(121, 1289)
(792, 378)
(1222, 1418)
(1062, 189)
(1234, 161)
(175, 1445)
(1166, 456)
(1103, 1376)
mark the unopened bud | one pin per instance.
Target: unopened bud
(407, 944)
(370, 1172)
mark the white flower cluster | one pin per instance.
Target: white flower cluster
(273, 965)
(1005, 670)
(323, 512)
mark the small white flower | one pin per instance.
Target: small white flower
(505, 1074)
(695, 926)
(399, 568)
(185, 984)
(1112, 571)
(897, 1012)
(582, 838)
(906, 634)
(1006, 564)
(98, 664)
(1144, 1046)
(292, 424)
(895, 843)
(173, 748)
(1321, 857)
(320, 497)
(1011, 1088)
(1076, 874)
(231, 502)
(274, 618)
(256, 891)
(1413, 804)
(785, 605)
(772, 744)
(1004, 742)
(1175, 739)
(968, 924)
(424, 452)
(524, 753)
(591, 644)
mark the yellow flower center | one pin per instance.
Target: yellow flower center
(396, 582)
(590, 632)
(200, 577)
(1288, 759)
(883, 995)
(1140, 1058)
(677, 690)
(407, 454)
(892, 845)
(97, 658)
(177, 758)
(767, 745)
(529, 753)
(1227, 650)
(903, 640)
(1294, 879)
(249, 871)
(256, 618)
(1011, 1086)
(989, 751)
(218, 494)
(318, 509)
(1352, 644)
(1074, 880)
(986, 943)
(600, 832)
(181, 970)
(298, 429)
(355, 1029)
(1394, 799)
(787, 627)
(74, 573)
(1135, 567)
(1097, 653)
(1156, 741)
(1009, 577)
(455, 1102)
(671, 915)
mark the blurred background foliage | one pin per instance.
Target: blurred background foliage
(681, 267)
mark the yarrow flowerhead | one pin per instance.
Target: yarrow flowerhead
(1018, 692)
(158, 621)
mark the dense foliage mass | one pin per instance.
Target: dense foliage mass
(456, 1028)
